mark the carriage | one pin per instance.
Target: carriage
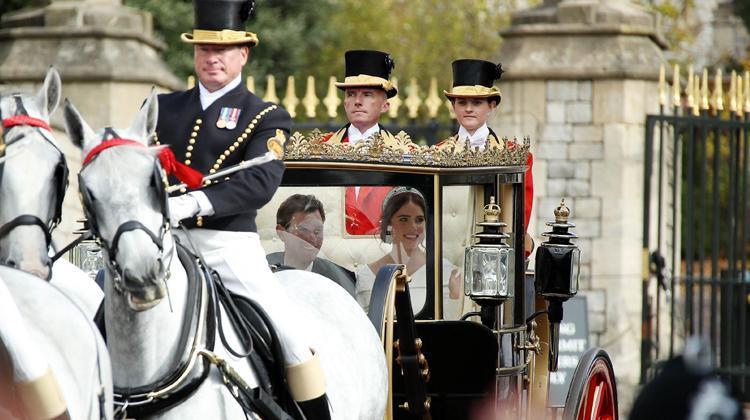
(494, 348)
(447, 358)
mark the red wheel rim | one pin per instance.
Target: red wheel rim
(598, 402)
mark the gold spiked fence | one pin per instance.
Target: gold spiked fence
(696, 222)
(700, 93)
(413, 102)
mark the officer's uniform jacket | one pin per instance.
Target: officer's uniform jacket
(197, 141)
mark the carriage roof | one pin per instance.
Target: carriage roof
(399, 155)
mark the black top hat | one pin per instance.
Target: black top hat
(221, 22)
(366, 68)
(475, 79)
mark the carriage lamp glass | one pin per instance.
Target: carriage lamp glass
(87, 255)
(489, 264)
(489, 271)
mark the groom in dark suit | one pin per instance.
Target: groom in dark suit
(299, 224)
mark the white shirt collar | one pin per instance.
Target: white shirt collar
(356, 136)
(207, 98)
(478, 138)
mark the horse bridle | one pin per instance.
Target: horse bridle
(158, 182)
(22, 118)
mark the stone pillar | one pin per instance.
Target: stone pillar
(108, 60)
(581, 77)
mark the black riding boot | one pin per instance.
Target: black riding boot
(316, 408)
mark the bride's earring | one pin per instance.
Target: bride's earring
(389, 234)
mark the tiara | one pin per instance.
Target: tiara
(399, 190)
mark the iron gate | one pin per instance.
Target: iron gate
(696, 232)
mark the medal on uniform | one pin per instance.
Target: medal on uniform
(228, 118)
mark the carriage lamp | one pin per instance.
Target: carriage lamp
(557, 269)
(489, 264)
(86, 255)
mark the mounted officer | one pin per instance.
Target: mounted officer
(217, 124)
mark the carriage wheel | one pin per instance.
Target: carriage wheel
(593, 391)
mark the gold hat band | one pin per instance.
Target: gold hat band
(225, 37)
(476, 91)
(364, 80)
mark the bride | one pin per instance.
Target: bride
(402, 224)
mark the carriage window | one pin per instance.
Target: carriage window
(335, 231)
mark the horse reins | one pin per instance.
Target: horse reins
(22, 118)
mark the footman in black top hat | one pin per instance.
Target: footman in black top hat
(367, 89)
(218, 124)
(474, 98)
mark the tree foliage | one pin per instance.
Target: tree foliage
(742, 10)
(13, 5)
(309, 37)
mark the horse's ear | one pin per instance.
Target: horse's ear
(144, 124)
(48, 96)
(78, 130)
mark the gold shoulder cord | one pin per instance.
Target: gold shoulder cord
(234, 146)
(240, 139)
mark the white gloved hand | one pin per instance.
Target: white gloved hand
(182, 207)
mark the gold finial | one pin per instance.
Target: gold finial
(271, 90)
(412, 99)
(562, 212)
(492, 211)
(704, 90)
(662, 86)
(696, 95)
(740, 94)
(433, 101)
(191, 82)
(733, 92)
(676, 86)
(332, 101)
(310, 100)
(395, 103)
(718, 102)
(290, 98)
(689, 89)
(250, 83)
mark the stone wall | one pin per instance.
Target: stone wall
(108, 60)
(581, 78)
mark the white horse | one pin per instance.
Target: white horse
(67, 339)
(124, 191)
(32, 186)
(34, 176)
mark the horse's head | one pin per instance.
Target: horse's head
(123, 193)
(33, 177)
